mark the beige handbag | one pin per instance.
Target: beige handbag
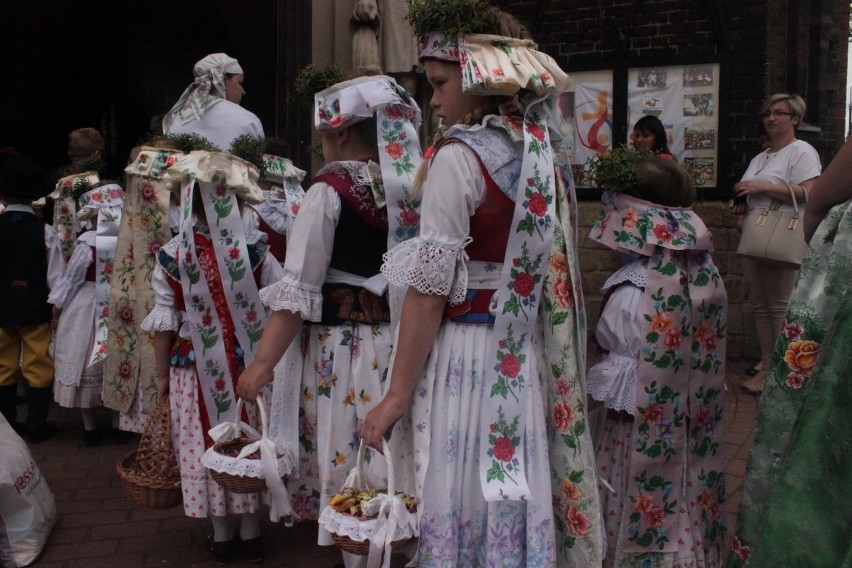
(774, 234)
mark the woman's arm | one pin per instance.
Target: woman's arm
(777, 191)
(281, 328)
(833, 186)
(422, 315)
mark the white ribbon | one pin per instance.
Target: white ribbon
(279, 498)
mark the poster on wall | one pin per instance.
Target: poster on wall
(589, 109)
(685, 99)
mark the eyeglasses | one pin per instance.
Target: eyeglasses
(768, 113)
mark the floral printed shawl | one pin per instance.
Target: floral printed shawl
(680, 385)
(144, 229)
(798, 486)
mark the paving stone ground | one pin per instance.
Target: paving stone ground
(98, 526)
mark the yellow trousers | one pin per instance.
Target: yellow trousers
(25, 351)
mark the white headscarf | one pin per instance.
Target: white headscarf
(207, 89)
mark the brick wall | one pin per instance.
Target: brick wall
(598, 262)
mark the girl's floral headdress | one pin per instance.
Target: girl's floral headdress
(104, 197)
(397, 120)
(280, 170)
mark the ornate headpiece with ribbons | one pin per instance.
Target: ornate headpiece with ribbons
(281, 202)
(677, 453)
(105, 202)
(221, 178)
(131, 369)
(65, 220)
(206, 90)
(397, 120)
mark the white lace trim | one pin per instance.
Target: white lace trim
(613, 382)
(428, 267)
(289, 295)
(69, 373)
(635, 273)
(360, 529)
(162, 318)
(242, 467)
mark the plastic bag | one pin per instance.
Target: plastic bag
(27, 507)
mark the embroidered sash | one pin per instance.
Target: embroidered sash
(144, 229)
(65, 209)
(219, 177)
(677, 456)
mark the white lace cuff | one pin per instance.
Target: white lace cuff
(428, 267)
(288, 295)
(162, 318)
(613, 382)
(62, 293)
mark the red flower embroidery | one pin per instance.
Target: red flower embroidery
(673, 338)
(127, 315)
(207, 320)
(221, 190)
(124, 369)
(393, 112)
(577, 522)
(395, 150)
(703, 414)
(504, 450)
(795, 380)
(653, 413)
(510, 366)
(563, 292)
(524, 284)
(409, 217)
(538, 204)
(655, 516)
(644, 502)
(219, 385)
(148, 192)
(563, 416)
(114, 193)
(108, 268)
(662, 233)
(536, 131)
(234, 253)
(251, 315)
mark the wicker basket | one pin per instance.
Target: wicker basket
(345, 542)
(230, 449)
(144, 491)
(236, 483)
(150, 475)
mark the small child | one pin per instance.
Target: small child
(206, 321)
(85, 146)
(283, 195)
(31, 264)
(82, 295)
(658, 438)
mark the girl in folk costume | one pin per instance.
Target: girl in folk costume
(83, 295)
(658, 441)
(490, 349)
(207, 321)
(282, 196)
(368, 127)
(130, 373)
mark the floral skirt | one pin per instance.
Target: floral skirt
(613, 435)
(457, 526)
(343, 378)
(202, 497)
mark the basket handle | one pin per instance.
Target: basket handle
(264, 421)
(359, 465)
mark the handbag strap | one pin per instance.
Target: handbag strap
(359, 465)
(793, 199)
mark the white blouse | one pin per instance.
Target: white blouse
(621, 330)
(75, 272)
(434, 262)
(793, 164)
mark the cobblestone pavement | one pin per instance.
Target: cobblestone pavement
(98, 526)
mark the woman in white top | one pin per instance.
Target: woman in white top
(786, 160)
(210, 106)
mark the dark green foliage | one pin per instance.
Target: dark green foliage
(453, 17)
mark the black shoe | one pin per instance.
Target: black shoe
(253, 549)
(38, 433)
(91, 438)
(120, 436)
(223, 552)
